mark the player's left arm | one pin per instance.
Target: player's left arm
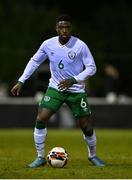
(89, 63)
(90, 69)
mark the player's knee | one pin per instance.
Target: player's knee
(44, 115)
(41, 118)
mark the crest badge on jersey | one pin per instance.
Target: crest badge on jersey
(71, 54)
(46, 98)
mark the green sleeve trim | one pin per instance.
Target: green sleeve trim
(74, 80)
(19, 82)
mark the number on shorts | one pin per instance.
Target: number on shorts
(83, 103)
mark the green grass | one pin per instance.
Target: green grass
(113, 146)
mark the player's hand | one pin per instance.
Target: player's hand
(65, 84)
(16, 89)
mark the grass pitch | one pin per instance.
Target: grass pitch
(113, 146)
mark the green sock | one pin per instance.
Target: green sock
(40, 125)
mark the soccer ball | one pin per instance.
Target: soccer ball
(57, 157)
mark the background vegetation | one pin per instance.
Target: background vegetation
(105, 26)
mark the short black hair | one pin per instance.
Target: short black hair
(63, 17)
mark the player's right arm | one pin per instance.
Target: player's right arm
(16, 88)
(39, 57)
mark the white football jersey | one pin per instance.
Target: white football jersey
(73, 59)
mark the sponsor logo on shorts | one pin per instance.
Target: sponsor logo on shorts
(46, 98)
(85, 109)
